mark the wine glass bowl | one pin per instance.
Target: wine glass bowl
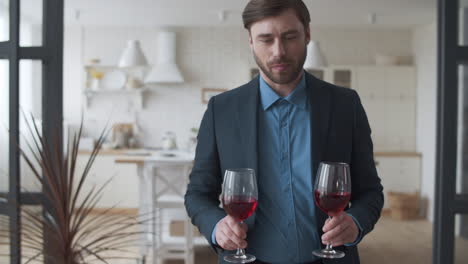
(332, 192)
(239, 207)
(239, 199)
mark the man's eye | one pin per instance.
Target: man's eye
(291, 37)
(265, 40)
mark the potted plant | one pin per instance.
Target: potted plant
(66, 221)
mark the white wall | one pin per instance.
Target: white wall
(4, 94)
(4, 107)
(30, 95)
(207, 57)
(424, 46)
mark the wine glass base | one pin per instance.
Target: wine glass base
(247, 258)
(328, 253)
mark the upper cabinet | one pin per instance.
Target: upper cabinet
(390, 82)
(396, 82)
(338, 75)
(388, 94)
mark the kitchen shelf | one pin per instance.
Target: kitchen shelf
(136, 93)
(90, 92)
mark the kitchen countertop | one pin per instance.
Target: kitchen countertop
(141, 152)
(126, 152)
(139, 156)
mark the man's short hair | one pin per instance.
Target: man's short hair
(257, 10)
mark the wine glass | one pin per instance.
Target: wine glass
(332, 194)
(239, 199)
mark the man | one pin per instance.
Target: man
(282, 124)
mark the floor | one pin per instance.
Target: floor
(408, 242)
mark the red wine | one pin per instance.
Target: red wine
(332, 203)
(239, 207)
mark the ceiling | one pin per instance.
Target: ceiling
(388, 13)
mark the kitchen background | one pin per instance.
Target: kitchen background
(211, 51)
(219, 57)
(387, 49)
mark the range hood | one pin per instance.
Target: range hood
(165, 70)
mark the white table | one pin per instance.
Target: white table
(157, 191)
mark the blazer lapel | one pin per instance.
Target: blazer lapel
(247, 107)
(247, 124)
(319, 99)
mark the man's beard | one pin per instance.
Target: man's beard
(286, 77)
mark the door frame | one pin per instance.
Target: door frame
(447, 202)
(50, 53)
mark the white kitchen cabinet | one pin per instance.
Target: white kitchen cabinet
(339, 75)
(399, 173)
(400, 82)
(389, 82)
(122, 190)
(370, 82)
(388, 94)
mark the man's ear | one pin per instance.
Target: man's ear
(250, 41)
(307, 34)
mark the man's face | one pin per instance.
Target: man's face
(279, 45)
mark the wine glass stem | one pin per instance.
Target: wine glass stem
(329, 245)
(240, 251)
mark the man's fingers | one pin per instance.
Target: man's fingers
(226, 243)
(234, 237)
(341, 231)
(336, 231)
(230, 234)
(346, 237)
(330, 224)
(244, 227)
(227, 240)
(240, 229)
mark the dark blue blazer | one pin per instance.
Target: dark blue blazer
(228, 138)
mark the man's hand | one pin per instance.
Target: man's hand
(340, 230)
(230, 234)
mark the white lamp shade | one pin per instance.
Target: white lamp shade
(132, 55)
(315, 58)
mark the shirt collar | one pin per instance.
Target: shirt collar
(298, 96)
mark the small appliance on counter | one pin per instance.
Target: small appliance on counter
(169, 141)
(123, 135)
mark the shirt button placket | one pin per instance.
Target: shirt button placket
(284, 140)
(284, 130)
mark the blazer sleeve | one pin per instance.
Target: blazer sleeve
(367, 191)
(204, 188)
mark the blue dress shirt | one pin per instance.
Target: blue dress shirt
(285, 228)
(285, 223)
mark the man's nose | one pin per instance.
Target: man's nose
(279, 49)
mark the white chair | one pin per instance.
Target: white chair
(169, 182)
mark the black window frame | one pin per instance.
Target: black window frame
(50, 53)
(447, 202)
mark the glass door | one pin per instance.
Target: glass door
(31, 55)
